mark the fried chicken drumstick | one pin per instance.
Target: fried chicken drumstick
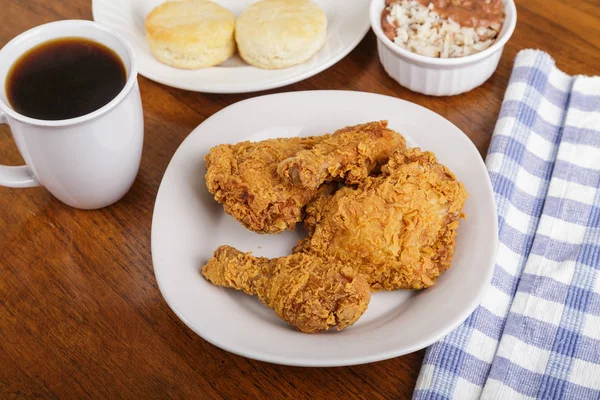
(244, 177)
(304, 291)
(396, 229)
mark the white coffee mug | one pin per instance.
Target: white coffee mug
(87, 162)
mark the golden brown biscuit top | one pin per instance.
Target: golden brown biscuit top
(191, 21)
(282, 20)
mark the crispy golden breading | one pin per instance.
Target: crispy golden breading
(244, 178)
(396, 229)
(303, 290)
(350, 154)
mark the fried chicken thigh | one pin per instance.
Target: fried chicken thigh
(303, 290)
(244, 177)
(396, 229)
(349, 155)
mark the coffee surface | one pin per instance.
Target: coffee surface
(64, 78)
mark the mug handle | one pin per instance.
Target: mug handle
(16, 177)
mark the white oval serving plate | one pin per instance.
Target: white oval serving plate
(188, 225)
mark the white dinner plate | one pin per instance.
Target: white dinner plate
(188, 225)
(348, 22)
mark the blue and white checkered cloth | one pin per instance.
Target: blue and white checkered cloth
(536, 334)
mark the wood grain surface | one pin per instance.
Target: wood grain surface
(80, 311)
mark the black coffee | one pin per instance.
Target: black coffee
(64, 78)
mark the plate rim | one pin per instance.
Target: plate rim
(352, 360)
(250, 88)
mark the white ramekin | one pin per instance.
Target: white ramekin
(440, 76)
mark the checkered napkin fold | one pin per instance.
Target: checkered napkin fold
(537, 332)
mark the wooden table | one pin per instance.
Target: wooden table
(81, 315)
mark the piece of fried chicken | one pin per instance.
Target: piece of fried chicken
(349, 155)
(309, 294)
(244, 178)
(396, 229)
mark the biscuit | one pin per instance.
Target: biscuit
(191, 34)
(280, 33)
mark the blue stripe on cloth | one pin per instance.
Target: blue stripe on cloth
(591, 252)
(515, 376)
(552, 387)
(587, 177)
(539, 80)
(562, 251)
(543, 335)
(579, 392)
(526, 114)
(531, 331)
(549, 289)
(546, 130)
(428, 394)
(449, 359)
(585, 102)
(511, 195)
(588, 349)
(571, 210)
(528, 121)
(517, 152)
(477, 375)
(578, 298)
(543, 287)
(515, 240)
(543, 169)
(504, 281)
(566, 341)
(486, 322)
(478, 370)
(584, 136)
(594, 221)
(526, 382)
(530, 205)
